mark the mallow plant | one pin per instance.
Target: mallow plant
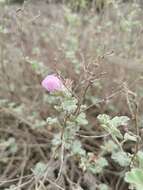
(70, 117)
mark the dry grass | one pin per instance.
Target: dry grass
(40, 32)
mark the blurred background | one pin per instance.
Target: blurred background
(39, 37)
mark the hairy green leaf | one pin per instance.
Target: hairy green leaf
(135, 177)
(122, 158)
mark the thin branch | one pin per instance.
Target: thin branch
(93, 136)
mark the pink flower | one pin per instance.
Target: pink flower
(52, 83)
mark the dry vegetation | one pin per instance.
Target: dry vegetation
(39, 38)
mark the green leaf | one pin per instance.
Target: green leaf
(135, 177)
(57, 139)
(115, 132)
(130, 137)
(10, 144)
(52, 121)
(40, 168)
(122, 158)
(115, 122)
(109, 146)
(12, 187)
(2, 1)
(69, 105)
(103, 186)
(77, 148)
(97, 166)
(81, 119)
(140, 158)
(103, 118)
(40, 124)
(110, 125)
(118, 121)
